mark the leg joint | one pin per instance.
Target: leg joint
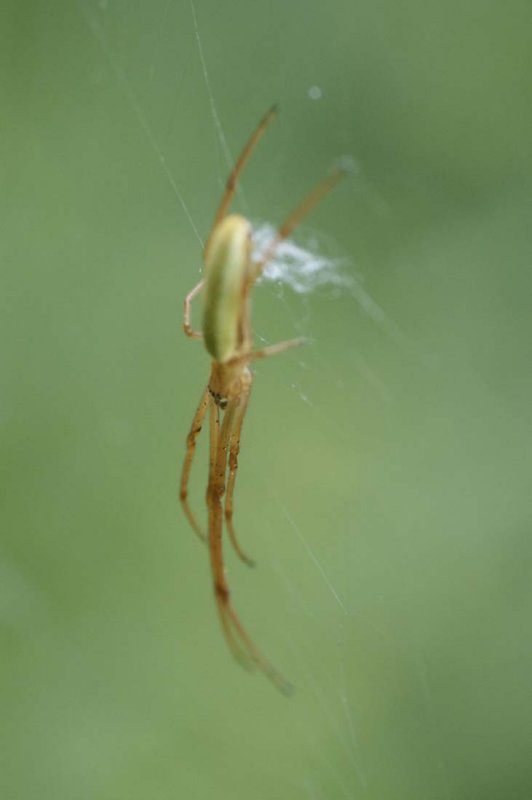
(222, 592)
(191, 438)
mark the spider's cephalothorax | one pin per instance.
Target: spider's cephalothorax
(230, 274)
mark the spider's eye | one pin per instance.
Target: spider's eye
(223, 402)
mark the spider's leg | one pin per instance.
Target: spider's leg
(301, 211)
(237, 637)
(195, 428)
(234, 450)
(186, 314)
(280, 683)
(266, 352)
(215, 489)
(243, 158)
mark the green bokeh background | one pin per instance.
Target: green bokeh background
(385, 472)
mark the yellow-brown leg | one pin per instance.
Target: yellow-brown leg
(195, 429)
(231, 184)
(186, 314)
(215, 490)
(235, 633)
(266, 352)
(301, 211)
(234, 450)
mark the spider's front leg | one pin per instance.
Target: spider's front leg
(236, 635)
(234, 450)
(193, 434)
(219, 439)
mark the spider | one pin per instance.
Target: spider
(229, 276)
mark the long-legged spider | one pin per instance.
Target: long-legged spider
(230, 274)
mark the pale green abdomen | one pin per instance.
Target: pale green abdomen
(226, 273)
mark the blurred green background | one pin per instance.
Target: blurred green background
(384, 487)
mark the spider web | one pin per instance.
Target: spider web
(306, 270)
(383, 487)
(321, 488)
